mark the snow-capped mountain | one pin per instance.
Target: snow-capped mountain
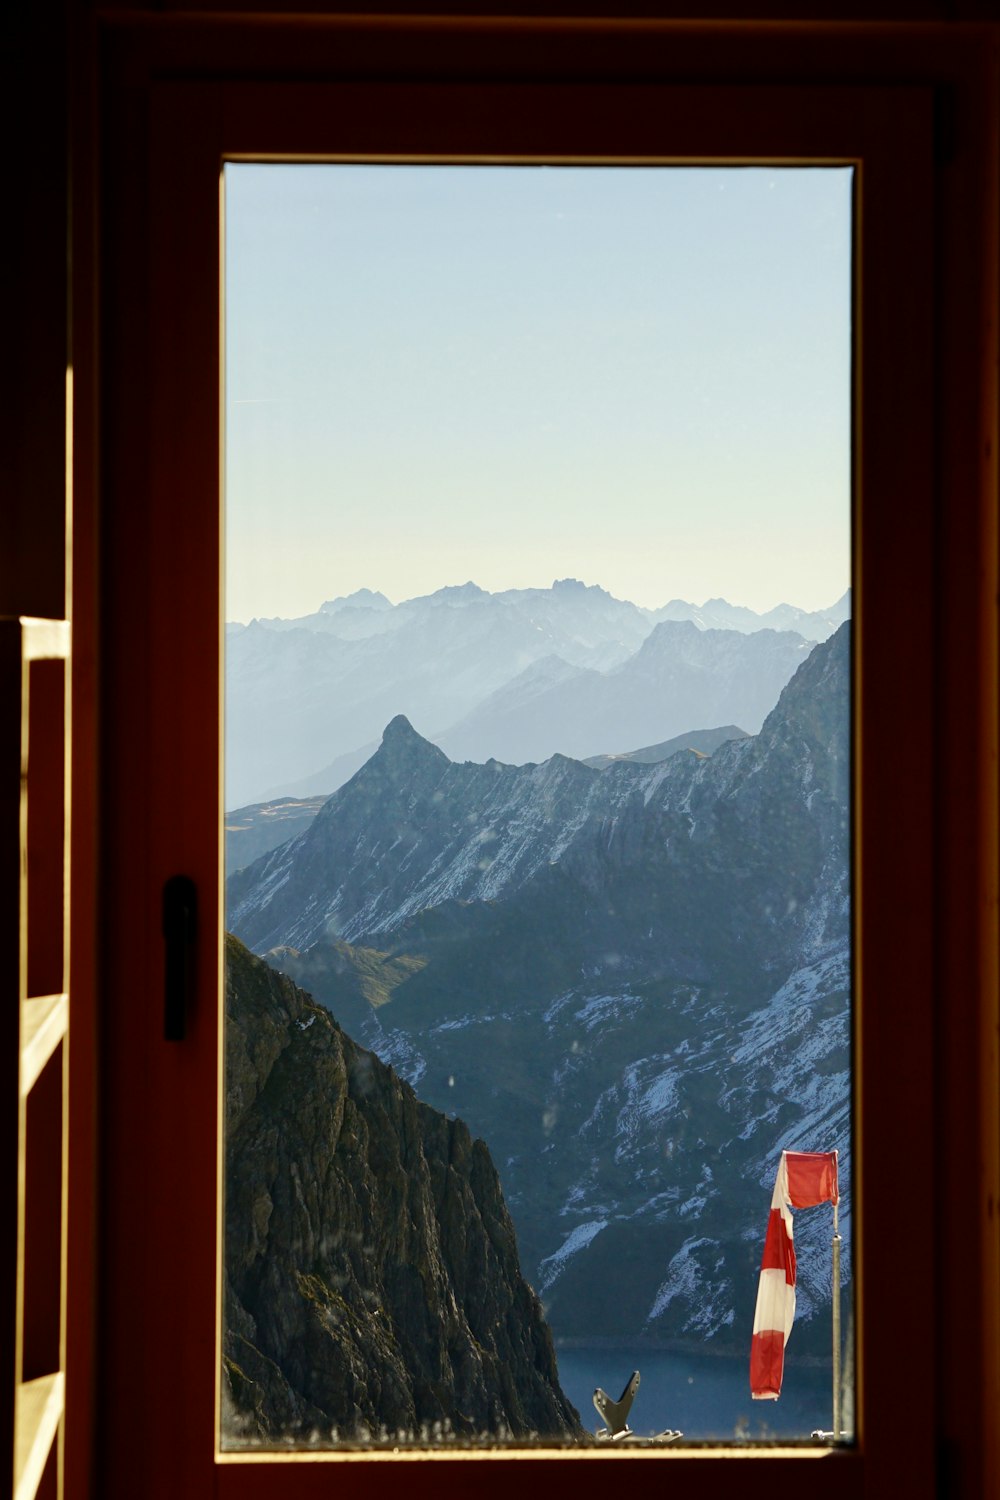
(633, 983)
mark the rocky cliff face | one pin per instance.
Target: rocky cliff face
(372, 1283)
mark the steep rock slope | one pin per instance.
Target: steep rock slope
(253, 831)
(372, 1280)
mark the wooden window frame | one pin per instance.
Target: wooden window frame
(179, 96)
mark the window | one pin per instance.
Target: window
(162, 625)
(628, 974)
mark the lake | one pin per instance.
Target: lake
(706, 1396)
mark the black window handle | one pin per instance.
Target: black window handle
(180, 906)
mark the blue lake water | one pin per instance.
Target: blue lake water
(706, 1396)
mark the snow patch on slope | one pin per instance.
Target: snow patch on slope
(578, 1239)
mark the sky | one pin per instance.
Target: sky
(638, 377)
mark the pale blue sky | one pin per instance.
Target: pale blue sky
(639, 377)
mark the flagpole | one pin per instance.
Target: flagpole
(836, 1328)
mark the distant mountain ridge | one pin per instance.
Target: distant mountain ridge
(253, 831)
(696, 741)
(719, 614)
(679, 676)
(306, 699)
(634, 984)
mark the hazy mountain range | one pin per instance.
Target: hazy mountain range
(633, 982)
(518, 675)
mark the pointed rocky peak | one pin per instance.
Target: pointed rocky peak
(403, 762)
(400, 741)
(398, 731)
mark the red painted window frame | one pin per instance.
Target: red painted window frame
(181, 96)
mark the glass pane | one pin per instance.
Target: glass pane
(538, 801)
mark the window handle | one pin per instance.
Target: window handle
(180, 905)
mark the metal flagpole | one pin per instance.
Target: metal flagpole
(836, 1327)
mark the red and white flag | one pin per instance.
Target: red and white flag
(804, 1179)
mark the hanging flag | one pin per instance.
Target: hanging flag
(804, 1179)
